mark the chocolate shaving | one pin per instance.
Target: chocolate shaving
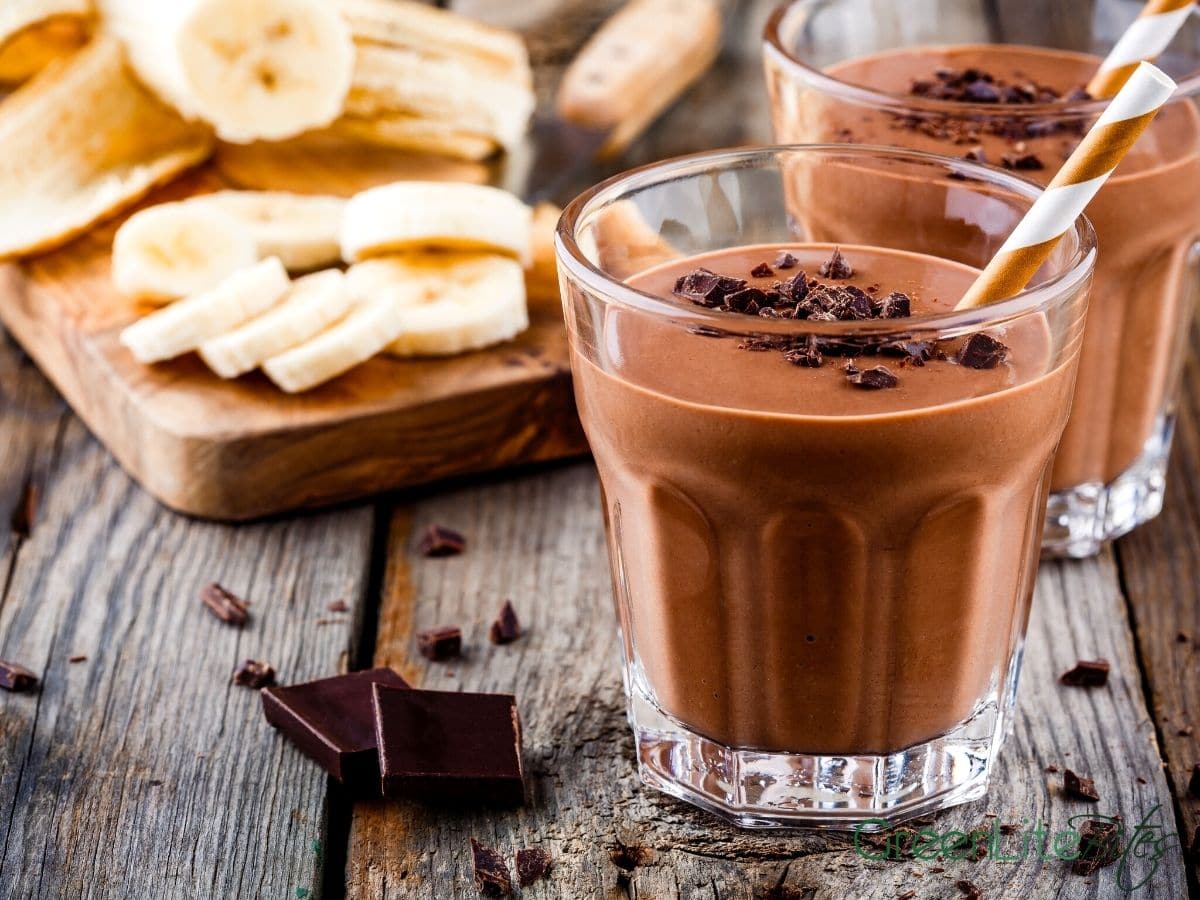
(968, 890)
(1087, 673)
(254, 674)
(981, 351)
(1099, 846)
(1080, 788)
(224, 604)
(785, 260)
(874, 379)
(441, 541)
(16, 678)
(628, 857)
(506, 628)
(491, 874)
(533, 864)
(762, 270)
(835, 267)
(440, 644)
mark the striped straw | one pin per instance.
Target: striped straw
(1076, 183)
(1145, 39)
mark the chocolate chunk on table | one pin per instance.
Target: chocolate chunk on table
(224, 604)
(16, 678)
(1099, 845)
(255, 674)
(491, 874)
(533, 864)
(442, 643)
(506, 628)
(332, 721)
(1087, 673)
(441, 541)
(1080, 788)
(449, 747)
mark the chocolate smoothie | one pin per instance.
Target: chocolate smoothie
(821, 546)
(1147, 217)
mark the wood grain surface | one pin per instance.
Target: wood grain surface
(141, 772)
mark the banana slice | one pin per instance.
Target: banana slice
(370, 327)
(312, 303)
(450, 302)
(177, 249)
(81, 141)
(184, 326)
(399, 131)
(263, 70)
(33, 32)
(419, 26)
(415, 214)
(301, 229)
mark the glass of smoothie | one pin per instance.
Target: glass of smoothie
(1006, 89)
(823, 488)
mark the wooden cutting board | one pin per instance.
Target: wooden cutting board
(242, 449)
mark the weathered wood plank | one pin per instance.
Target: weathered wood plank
(141, 771)
(1160, 566)
(539, 540)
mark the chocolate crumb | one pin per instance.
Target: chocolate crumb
(1182, 637)
(1080, 788)
(225, 605)
(491, 874)
(968, 890)
(873, 379)
(533, 864)
(1087, 673)
(1052, 769)
(936, 870)
(1193, 783)
(836, 267)
(254, 674)
(785, 260)
(1186, 731)
(338, 606)
(1141, 780)
(1098, 846)
(1028, 162)
(981, 351)
(1009, 828)
(762, 270)
(16, 678)
(441, 541)
(77, 658)
(440, 644)
(506, 628)
(628, 857)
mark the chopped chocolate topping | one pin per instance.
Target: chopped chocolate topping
(894, 306)
(16, 678)
(762, 270)
(338, 606)
(748, 300)
(506, 628)
(491, 874)
(1080, 788)
(785, 260)
(975, 86)
(706, 288)
(807, 355)
(794, 289)
(705, 331)
(254, 674)
(533, 864)
(872, 379)
(1193, 783)
(439, 644)
(441, 541)
(836, 267)
(628, 857)
(225, 605)
(968, 890)
(850, 303)
(912, 353)
(1087, 673)
(981, 351)
(1028, 162)
(1099, 845)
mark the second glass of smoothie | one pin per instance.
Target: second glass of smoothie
(1007, 91)
(823, 488)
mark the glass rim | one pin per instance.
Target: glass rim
(572, 260)
(1073, 109)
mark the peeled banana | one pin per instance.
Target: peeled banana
(185, 325)
(416, 214)
(263, 70)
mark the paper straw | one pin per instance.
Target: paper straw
(1145, 39)
(1076, 183)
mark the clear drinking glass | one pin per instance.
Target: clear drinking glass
(822, 592)
(844, 70)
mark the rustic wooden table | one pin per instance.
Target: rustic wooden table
(138, 771)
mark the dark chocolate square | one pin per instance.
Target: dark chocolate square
(332, 721)
(449, 747)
